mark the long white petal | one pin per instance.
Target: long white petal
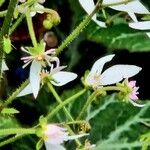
(27, 90)
(53, 147)
(4, 66)
(134, 6)
(143, 25)
(98, 65)
(63, 77)
(116, 73)
(35, 70)
(72, 137)
(136, 104)
(89, 6)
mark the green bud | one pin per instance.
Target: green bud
(54, 17)
(47, 24)
(7, 44)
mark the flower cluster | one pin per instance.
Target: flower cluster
(114, 74)
(39, 60)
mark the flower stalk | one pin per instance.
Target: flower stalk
(58, 99)
(78, 30)
(30, 28)
(17, 131)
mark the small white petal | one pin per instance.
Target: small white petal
(148, 34)
(143, 25)
(27, 90)
(39, 6)
(63, 77)
(35, 70)
(32, 14)
(135, 104)
(98, 65)
(99, 23)
(4, 66)
(116, 73)
(133, 6)
(53, 147)
(133, 16)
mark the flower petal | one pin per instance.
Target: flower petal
(53, 147)
(27, 90)
(4, 66)
(133, 16)
(99, 23)
(89, 6)
(143, 25)
(63, 77)
(98, 65)
(72, 137)
(35, 70)
(148, 34)
(136, 104)
(116, 73)
(133, 6)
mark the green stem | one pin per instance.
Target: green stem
(11, 140)
(88, 102)
(15, 25)
(5, 28)
(113, 88)
(72, 133)
(65, 102)
(15, 93)
(51, 88)
(77, 31)
(75, 122)
(65, 110)
(16, 131)
(30, 28)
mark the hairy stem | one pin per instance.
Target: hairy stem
(17, 131)
(58, 99)
(14, 94)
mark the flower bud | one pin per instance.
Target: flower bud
(47, 24)
(7, 44)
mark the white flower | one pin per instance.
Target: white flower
(40, 56)
(131, 8)
(111, 75)
(54, 136)
(59, 78)
(141, 25)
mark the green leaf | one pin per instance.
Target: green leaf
(9, 111)
(39, 144)
(119, 37)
